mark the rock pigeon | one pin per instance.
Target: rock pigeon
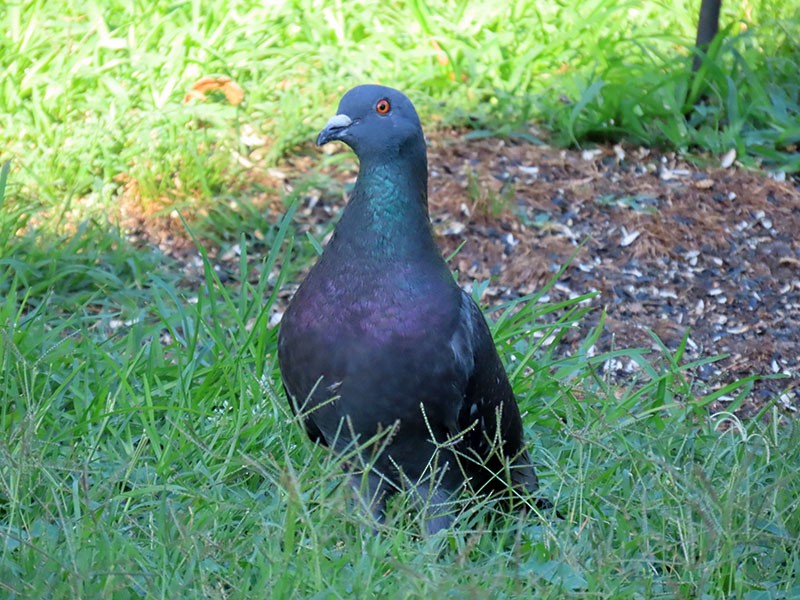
(381, 351)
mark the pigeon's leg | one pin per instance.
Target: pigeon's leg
(371, 490)
(437, 508)
(523, 475)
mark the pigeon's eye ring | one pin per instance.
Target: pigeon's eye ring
(383, 107)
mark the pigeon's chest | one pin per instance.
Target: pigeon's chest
(376, 308)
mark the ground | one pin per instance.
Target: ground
(713, 254)
(670, 248)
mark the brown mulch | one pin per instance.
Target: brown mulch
(713, 254)
(670, 248)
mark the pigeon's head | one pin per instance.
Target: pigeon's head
(375, 121)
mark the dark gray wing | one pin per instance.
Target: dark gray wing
(489, 415)
(294, 376)
(311, 429)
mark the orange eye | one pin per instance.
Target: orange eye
(383, 107)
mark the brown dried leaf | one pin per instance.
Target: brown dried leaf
(194, 95)
(233, 92)
(207, 84)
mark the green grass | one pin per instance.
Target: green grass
(146, 447)
(147, 451)
(91, 94)
(745, 98)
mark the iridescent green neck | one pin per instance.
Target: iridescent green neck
(387, 215)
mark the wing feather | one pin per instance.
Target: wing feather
(489, 414)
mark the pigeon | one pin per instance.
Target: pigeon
(382, 355)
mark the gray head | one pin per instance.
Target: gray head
(375, 121)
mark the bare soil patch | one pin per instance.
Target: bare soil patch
(712, 254)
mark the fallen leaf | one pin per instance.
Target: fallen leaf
(234, 94)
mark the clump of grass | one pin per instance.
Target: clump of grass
(93, 93)
(485, 201)
(743, 98)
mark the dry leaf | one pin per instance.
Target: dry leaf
(232, 90)
(628, 238)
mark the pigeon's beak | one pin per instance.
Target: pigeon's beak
(334, 129)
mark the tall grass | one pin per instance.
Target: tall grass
(744, 98)
(147, 451)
